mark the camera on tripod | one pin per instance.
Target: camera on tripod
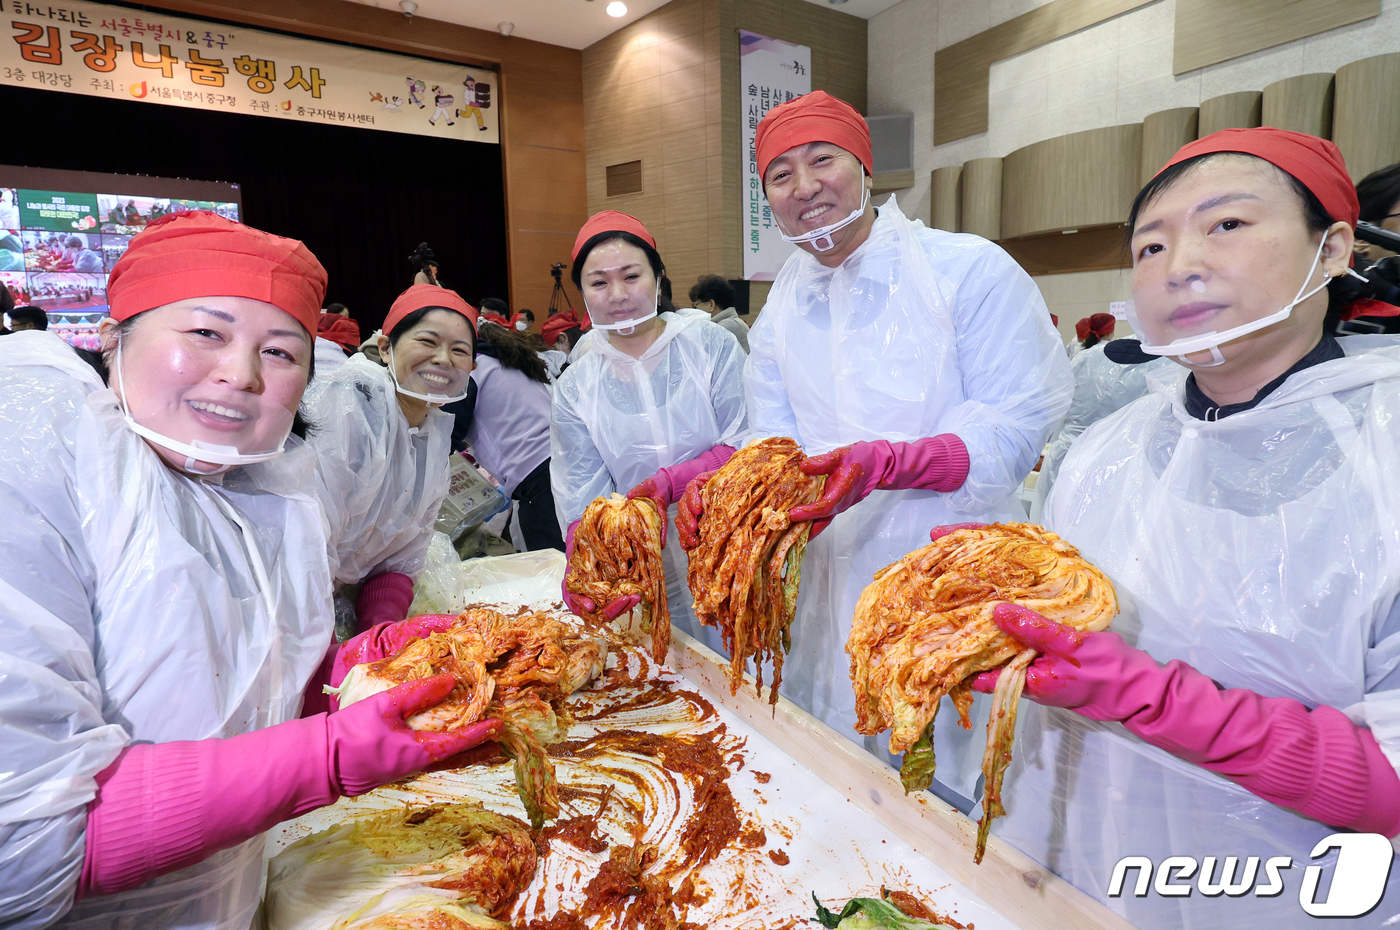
(558, 298)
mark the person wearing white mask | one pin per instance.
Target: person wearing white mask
(1246, 513)
(654, 401)
(919, 370)
(167, 596)
(382, 445)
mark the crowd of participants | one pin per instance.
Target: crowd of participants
(195, 497)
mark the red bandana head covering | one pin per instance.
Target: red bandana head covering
(559, 323)
(814, 117)
(427, 295)
(497, 319)
(339, 329)
(1316, 163)
(1081, 329)
(202, 254)
(611, 221)
(1101, 324)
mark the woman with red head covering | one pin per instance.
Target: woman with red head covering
(1246, 512)
(654, 401)
(382, 445)
(167, 598)
(917, 367)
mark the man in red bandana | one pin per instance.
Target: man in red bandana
(917, 367)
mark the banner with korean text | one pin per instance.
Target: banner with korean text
(128, 54)
(771, 72)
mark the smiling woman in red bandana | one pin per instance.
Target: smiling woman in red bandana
(1246, 513)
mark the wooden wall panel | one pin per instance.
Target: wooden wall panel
(542, 112)
(1230, 111)
(1212, 31)
(1162, 134)
(945, 195)
(961, 70)
(1302, 104)
(1083, 179)
(1365, 114)
(982, 197)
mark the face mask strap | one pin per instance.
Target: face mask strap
(627, 327)
(223, 457)
(823, 234)
(435, 399)
(1180, 348)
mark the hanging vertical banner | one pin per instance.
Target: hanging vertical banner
(771, 72)
(127, 54)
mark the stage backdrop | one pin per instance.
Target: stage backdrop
(360, 199)
(111, 51)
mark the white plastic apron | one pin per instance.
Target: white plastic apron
(1264, 550)
(868, 351)
(212, 612)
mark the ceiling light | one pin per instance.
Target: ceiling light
(506, 28)
(408, 7)
(836, 2)
(617, 8)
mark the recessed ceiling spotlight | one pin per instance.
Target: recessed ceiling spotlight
(617, 8)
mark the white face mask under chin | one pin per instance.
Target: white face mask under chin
(1179, 349)
(435, 399)
(195, 451)
(627, 327)
(820, 238)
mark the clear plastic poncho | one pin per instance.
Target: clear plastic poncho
(1101, 386)
(139, 605)
(919, 332)
(381, 481)
(616, 420)
(1262, 549)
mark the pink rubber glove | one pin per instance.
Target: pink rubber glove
(690, 510)
(164, 806)
(314, 699)
(666, 486)
(938, 463)
(383, 597)
(1316, 762)
(581, 604)
(382, 641)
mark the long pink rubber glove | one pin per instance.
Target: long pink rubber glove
(580, 604)
(666, 486)
(1316, 762)
(382, 641)
(938, 463)
(164, 806)
(383, 597)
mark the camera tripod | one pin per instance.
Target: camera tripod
(559, 298)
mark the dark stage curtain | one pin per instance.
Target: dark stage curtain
(361, 199)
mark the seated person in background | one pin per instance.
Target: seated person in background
(1379, 194)
(561, 333)
(23, 318)
(523, 321)
(337, 336)
(495, 310)
(340, 309)
(715, 295)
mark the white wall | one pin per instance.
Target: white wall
(1116, 72)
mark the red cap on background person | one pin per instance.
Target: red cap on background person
(1316, 163)
(497, 319)
(814, 117)
(203, 254)
(1081, 329)
(1101, 325)
(611, 221)
(427, 295)
(555, 325)
(341, 330)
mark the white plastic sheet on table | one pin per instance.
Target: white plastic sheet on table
(834, 847)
